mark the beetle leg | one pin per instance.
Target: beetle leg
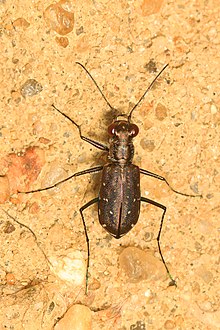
(156, 176)
(146, 200)
(84, 138)
(89, 170)
(93, 201)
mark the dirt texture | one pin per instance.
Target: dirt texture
(124, 45)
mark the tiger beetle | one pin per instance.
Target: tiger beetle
(119, 195)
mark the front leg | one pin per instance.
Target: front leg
(84, 138)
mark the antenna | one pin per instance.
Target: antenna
(89, 74)
(142, 97)
(148, 88)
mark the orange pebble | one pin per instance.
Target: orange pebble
(10, 279)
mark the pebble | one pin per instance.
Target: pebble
(8, 228)
(213, 109)
(147, 144)
(140, 325)
(78, 317)
(30, 88)
(151, 66)
(205, 274)
(21, 23)
(62, 41)
(60, 17)
(54, 175)
(139, 265)
(169, 324)
(179, 320)
(148, 236)
(195, 288)
(4, 189)
(70, 267)
(205, 306)
(10, 278)
(94, 284)
(44, 140)
(147, 123)
(161, 111)
(150, 7)
(34, 208)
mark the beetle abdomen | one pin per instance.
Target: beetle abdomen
(119, 198)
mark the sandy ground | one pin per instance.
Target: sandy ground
(123, 44)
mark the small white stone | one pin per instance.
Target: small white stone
(70, 267)
(147, 293)
(213, 109)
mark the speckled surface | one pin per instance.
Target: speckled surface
(123, 44)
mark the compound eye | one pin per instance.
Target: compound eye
(111, 129)
(134, 130)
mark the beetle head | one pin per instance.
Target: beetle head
(121, 128)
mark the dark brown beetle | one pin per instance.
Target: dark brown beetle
(119, 196)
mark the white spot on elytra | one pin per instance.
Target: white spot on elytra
(110, 212)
